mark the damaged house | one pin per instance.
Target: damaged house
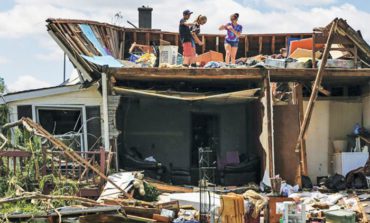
(250, 117)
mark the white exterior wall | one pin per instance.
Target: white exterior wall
(83, 97)
(331, 119)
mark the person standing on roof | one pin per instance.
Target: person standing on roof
(234, 31)
(188, 36)
(195, 28)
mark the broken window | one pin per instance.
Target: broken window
(65, 124)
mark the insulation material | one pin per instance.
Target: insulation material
(103, 60)
(90, 35)
(123, 180)
(337, 54)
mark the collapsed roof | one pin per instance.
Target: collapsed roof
(88, 43)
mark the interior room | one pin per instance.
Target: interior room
(163, 137)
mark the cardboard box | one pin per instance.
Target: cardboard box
(168, 54)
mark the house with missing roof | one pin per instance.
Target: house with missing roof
(156, 119)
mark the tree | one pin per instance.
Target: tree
(4, 111)
(2, 85)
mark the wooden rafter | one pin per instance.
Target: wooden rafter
(315, 88)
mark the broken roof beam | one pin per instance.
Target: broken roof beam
(238, 74)
(187, 74)
(315, 88)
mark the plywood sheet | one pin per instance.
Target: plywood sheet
(286, 130)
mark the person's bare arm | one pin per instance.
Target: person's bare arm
(187, 23)
(222, 27)
(196, 38)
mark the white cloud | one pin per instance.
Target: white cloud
(289, 4)
(28, 16)
(51, 52)
(26, 19)
(26, 82)
(4, 60)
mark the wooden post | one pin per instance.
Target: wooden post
(260, 43)
(313, 51)
(269, 124)
(273, 45)
(122, 46)
(176, 39)
(303, 154)
(204, 44)
(217, 43)
(135, 36)
(356, 56)
(246, 45)
(315, 88)
(147, 38)
(287, 44)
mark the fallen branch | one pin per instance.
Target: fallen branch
(56, 211)
(35, 128)
(11, 125)
(38, 130)
(4, 139)
(84, 172)
(38, 196)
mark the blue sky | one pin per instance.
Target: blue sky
(29, 58)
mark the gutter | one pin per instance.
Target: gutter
(104, 81)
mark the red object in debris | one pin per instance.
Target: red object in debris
(303, 44)
(250, 219)
(161, 218)
(210, 56)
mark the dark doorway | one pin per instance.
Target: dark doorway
(205, 133)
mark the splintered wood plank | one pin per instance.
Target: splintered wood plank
(269, 111)
(170, 188)
(313, 51)
(141, 219)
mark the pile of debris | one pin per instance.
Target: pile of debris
(130, 197)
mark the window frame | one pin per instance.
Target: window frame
(82, 108)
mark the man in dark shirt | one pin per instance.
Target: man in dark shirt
(186, 38)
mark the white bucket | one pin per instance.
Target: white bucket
(339, 145)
